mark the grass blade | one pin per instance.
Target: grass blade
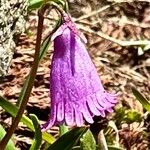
(141, 99)
(10, 145)
(38, 134)
(12, 110)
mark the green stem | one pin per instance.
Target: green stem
(17, 119)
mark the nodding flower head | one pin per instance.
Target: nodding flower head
(76, 91)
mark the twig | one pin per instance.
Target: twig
(128, 1)
(120, 22)
(114, 2)
(94, 12)
(119, 42)
(11, 130)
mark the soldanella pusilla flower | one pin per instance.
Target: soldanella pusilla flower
(76, 91)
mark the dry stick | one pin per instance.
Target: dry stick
(121, 22)
(119, 42)
(114, 2)
(17, 119)
(94, 12)
(118, 21)
(102, 35)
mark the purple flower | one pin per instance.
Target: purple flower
(75, 87)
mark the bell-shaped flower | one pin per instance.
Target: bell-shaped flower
(76, 91)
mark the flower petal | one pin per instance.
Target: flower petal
(69, 114)
(102, 101)
(86, 113)
(51, 120)
(59, 31)
(112, 98)
(110, 110)
(78, 118)
(92, 106)
(60, 111)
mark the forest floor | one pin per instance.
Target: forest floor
(120, 67)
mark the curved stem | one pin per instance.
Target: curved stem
(16, 121)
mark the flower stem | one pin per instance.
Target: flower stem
(17, 119)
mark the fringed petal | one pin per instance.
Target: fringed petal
(86, 113)
(69, 114)
(60, 111)
(51, 121)
(78, 118)
(92, 106)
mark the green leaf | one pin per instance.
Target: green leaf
(88, 141)
(110, 147)
(120, 115)
(68, 140)
(10, 145)
(44, 47)
(133, 116)
(38, 134)
(113, 147)
(63, 129)
(22, 93)
(141, 99)
(35, 4)
(12, 110)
